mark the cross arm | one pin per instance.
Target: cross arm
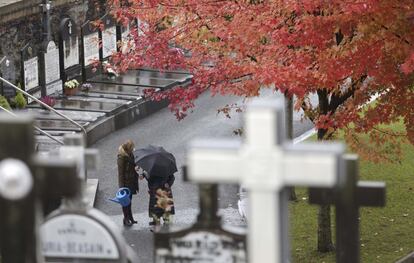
(312, 164)
(214, 161)
(367, 194)
(371, 193)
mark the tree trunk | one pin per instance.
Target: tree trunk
(324, 229)
(289, 134)
(324, 215)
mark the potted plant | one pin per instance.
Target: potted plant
(70, 87)
(50, 101)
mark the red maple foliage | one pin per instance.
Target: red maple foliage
(344, 51)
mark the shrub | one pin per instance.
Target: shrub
(4, 103)
(20, 101)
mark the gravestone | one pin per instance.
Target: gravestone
(265, 164)
(83, 235)
(28, 182)
(206, 241)
(347, 197)
(76, 232)
(90, 50)
(108, 37)
(125, 37)
(141, 26)
(8, 72)
(30, 71)
(50, 69)
(70, 67)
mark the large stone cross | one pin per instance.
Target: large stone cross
(347, 198)
(27, 183)
(265, 166)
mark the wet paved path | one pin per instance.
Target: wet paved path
(163, 129)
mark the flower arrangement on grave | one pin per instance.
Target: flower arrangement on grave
(70, 87)
(165, 202)
(85, 87)
(49, 101)
(71, 84)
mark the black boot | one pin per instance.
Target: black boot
(126, 221)
(130, 215)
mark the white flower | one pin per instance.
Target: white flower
(71, 84)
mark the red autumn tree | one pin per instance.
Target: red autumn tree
(346, 52)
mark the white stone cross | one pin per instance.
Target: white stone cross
(265, 165)
(70, 27)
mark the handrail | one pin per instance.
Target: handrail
(46, 106)
(37, 128)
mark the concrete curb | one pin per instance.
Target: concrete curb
(91, 189)
(108, 124)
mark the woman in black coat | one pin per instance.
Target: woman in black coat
(127, 177)
(156, 183)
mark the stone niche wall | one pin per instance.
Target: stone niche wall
(21, 22)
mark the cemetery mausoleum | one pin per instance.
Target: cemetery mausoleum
(23, 22)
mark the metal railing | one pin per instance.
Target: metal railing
(46, 106)
(37, 128)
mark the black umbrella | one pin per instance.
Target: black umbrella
(156, 161)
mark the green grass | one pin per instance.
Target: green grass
(386, 233)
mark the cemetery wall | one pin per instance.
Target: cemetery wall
(21, 22)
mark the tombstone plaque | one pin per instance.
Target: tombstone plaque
(206, 241)
(69, 49)
(142, 26)
(108, 36)
(52, 62)
(83, 235)
(125, 38)
(8, 72)
(50, 69)
(90, 49)
(77, 236)
(90, 44)
(30, 71)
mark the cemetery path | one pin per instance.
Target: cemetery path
(163, 129)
